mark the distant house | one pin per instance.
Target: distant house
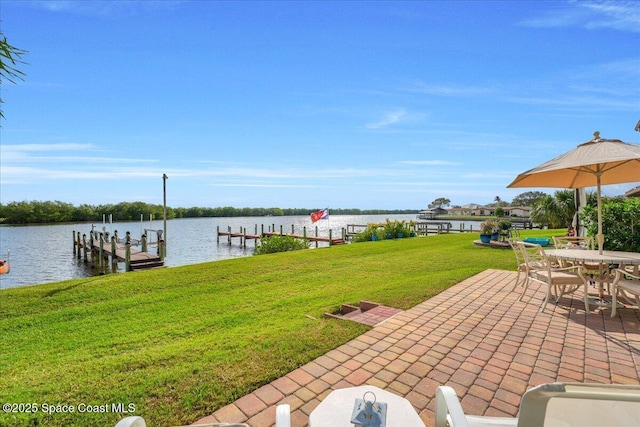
(519, 211)
(471, 209)
(431, 213)
(474, 209)
(634, 192)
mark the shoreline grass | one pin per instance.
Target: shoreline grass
(179, 343)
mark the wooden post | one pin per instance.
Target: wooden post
(316, 236)
(304, 232)
(292, 229)
(91, 245)
(84, 244)
(281, 229)
(229, 235)
(217, 234)
(162, 250)
(127, 256)
(330, 238)
(101, 253)
(74, 242)
(127, 252)
(114, 257)
(78, 244)
(143, 240)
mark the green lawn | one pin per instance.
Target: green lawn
(179, 343)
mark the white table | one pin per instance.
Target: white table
(337, 408)
(593, 256)
(582, 256)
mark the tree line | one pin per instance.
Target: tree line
(44, 212)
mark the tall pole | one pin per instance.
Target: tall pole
(164, 204)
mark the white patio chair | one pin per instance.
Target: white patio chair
(557, 404)
(283, 419)
(573, 242)
(521, 265)
(529, 253)
(559, 280)
(623, 284)
(596, 272)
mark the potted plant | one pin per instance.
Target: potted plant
(504, 224)
(488, 228)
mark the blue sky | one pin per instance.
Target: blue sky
(309, 104)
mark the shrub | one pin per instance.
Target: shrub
(388, 230)
(367, 234)
(273, 244)
(396, 229)
(620, 223)
(504, 224)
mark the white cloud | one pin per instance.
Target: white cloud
(389, 119)
(103, 8)
(616, 15)
(449, 90)
(46, 147)
(428, 163)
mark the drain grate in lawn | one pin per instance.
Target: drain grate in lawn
(367, 313)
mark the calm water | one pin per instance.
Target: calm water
(44, 253)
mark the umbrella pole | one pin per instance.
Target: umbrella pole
(600, 236)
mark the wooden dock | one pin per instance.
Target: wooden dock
(101, 248)
(255, 236)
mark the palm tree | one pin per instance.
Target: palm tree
(556, 211)
(9, 58)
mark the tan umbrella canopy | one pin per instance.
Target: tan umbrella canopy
(595, 163)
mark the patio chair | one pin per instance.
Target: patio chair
(559, 280)
(573, 242)
(557, 404)
(526, 264)
(595, 271)
(623, 283)
(530, 254)
(521, 265)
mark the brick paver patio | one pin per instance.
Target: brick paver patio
(476, 337)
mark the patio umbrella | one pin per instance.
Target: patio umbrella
(594, 163)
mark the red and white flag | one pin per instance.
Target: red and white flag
(321, 214)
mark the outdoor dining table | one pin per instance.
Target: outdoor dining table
(336, 409)
(604, 259)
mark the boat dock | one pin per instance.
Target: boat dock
(103, 249)
(255, 236)
(421, 228)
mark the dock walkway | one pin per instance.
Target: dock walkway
(244, 236)
(102, 248)
(139, 260)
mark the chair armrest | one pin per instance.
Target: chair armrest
(447, 403)
(580, 269)
(621, 273)
(133, 421)
(283, 415)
